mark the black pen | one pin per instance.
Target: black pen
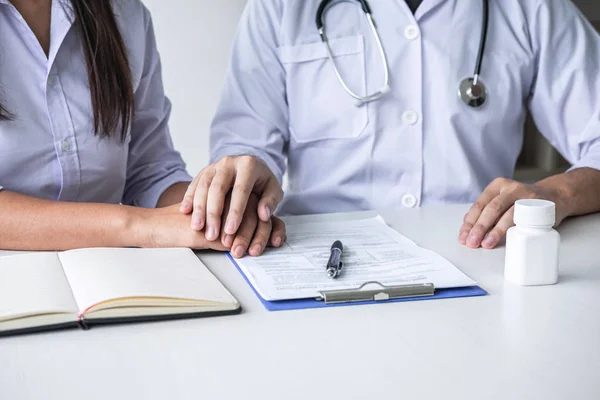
(334, 265)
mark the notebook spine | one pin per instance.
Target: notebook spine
(82, 324)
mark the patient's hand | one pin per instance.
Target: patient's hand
(253, 235)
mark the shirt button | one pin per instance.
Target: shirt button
(411, 32)
(410, 117)
(409, 201)
(66, 146)
(51, 80)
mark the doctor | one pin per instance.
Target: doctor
(426, 105)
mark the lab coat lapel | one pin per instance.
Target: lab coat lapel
(427, 6)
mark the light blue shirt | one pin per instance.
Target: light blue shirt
(419, 144)
(49, 150)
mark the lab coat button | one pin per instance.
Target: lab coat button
(410, 117)
(411, 32)
(66, 146)
(409, 201)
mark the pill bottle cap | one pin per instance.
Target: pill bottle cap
(534, 212)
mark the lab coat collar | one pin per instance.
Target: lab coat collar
(426, 7)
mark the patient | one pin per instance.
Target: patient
(86, 158)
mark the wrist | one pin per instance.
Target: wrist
(559, 190)
(134, 227)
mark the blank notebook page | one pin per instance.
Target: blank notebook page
(33, 284)
(98, 275)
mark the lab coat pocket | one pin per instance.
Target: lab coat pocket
(319, 107)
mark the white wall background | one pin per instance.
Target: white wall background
(194, 40)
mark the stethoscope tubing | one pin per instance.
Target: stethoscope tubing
(471, 91)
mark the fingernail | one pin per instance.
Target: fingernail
(238, 252)
(472, 241)
(256, 249)
(277, 241)
(230, 227)
(211, 233)
(489, 241)
(268, 211)
(463, 236)
(196, 220)
(184, 206)
(228, 240)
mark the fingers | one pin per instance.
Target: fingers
(243, 174)
(261, 238)
(270, 199)
(217, 191)
(474, 213)
(488, 218)
(226, 239)
(187, 204)
(494, 237)
(202, 183)
(242, 189)
(491, 216)
(203, 244)
(244, 235)
(278, 234)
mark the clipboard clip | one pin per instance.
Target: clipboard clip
(381, 293)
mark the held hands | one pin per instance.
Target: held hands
(488, 220)
(253, 234)
(240, 175)
(168, 227)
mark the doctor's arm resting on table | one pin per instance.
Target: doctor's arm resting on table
(252, 120)
(565, 104)
(122, 151)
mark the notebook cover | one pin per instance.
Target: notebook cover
(299, 304)
(88, 323)
(39, 329)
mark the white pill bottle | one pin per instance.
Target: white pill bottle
(532, 245)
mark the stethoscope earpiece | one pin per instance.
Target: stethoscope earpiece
(473, 94)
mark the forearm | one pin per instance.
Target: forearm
(29, 223)
(173, 195)
(577, 192)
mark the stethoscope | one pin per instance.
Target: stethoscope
(471, 91)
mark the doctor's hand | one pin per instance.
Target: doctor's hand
(243, 176)
(488, 220)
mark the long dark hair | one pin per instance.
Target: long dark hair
(109, 76)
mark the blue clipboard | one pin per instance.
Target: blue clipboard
(300, 304)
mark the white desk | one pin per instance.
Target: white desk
(516, 343)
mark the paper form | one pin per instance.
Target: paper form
(372, 252)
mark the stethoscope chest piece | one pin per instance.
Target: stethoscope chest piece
(472, 93)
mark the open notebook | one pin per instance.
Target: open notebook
(42, 291)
